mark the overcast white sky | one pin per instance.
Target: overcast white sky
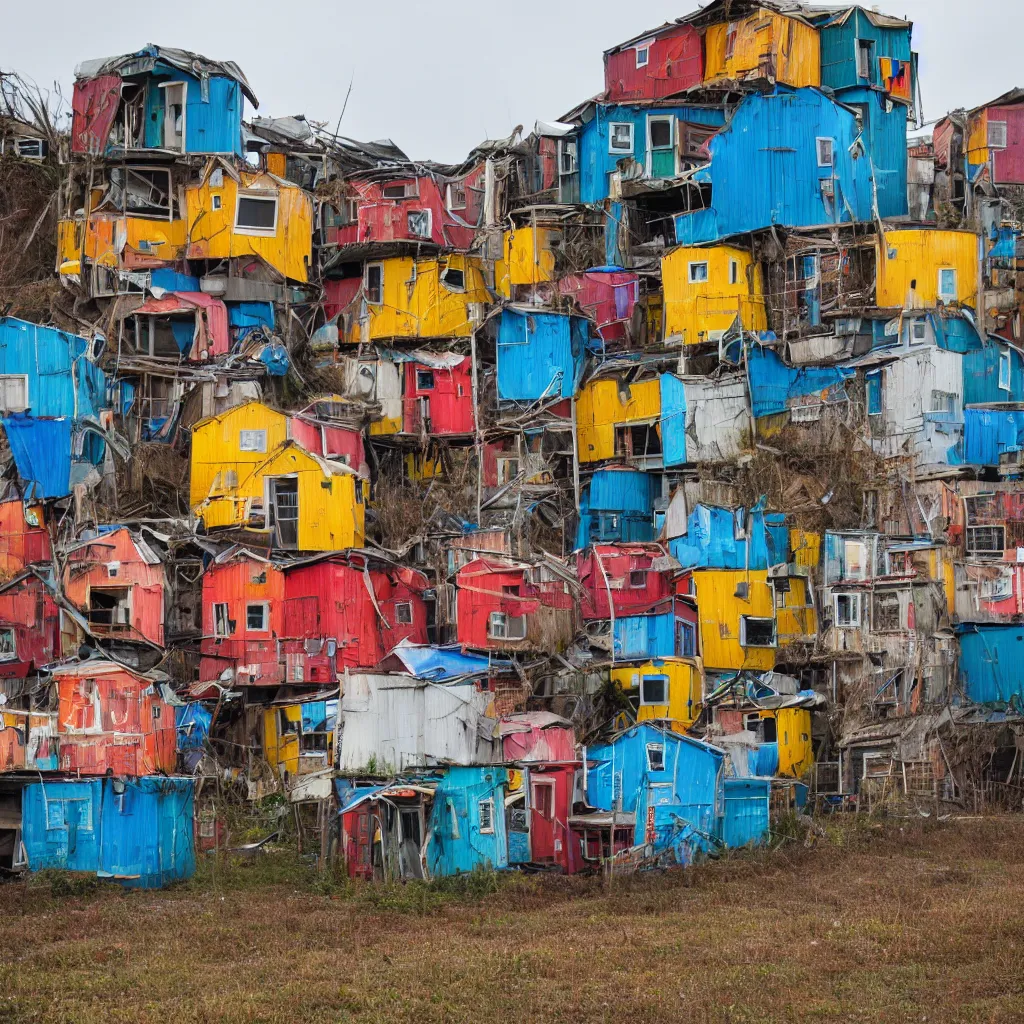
(439, 78)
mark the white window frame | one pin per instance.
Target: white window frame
(568, 148)
(653, 119)
(226, 619)
(856, 601)
(988, 135)
(636, 572)
(264, 607)
(654, 677)
(734, 271)
(863, 574)
(620, 150)
(481, 805)
(946, 296)
(167, 87)
(819, 151)
(366, 279)
(266, 195)
(643, 49)
(506, 619)
(407, 605)
(12, 655)
(692, 265)
(507, 469)
(215, 201)
(4, 378)
(453, 188)
(419, 213)
(252, 441)
(22, 143)
(914, 339)
(760, 647)
(1005, 378)
(658, 748)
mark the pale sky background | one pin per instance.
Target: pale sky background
(438, 78)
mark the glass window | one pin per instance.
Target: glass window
(256, 617)
(7, 647)
(424, 380)
(256, 214)
(698, 272)
(374, 286)
(947, 284)
(997, 134)
(418, 222)
(756, 632)
(221, 622)
(643, 55)
(638, 579)
(826, 154)
(656, 757)
(654, 690)
(918, 332)
(847, 610)
(486, 811)
(1004, 371)
(620, 139)
(403, 613)
(252, 440)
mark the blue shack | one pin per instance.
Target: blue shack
(467, 821)
(617, 506)
(169, 99)
(992, 664)
(669, 783)
(993, 373)
(52, 399)
(719, 538)
(665, 634)
(653, 135)
(138, 832)
(745, 819)
(540, 355)
(988, 434)
(815, 172)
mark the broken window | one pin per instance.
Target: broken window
(864, 47)
(698, 272)
(257, 617)
(885, 612)
(7, 646)
(400, 191)
(252, 440)
(256, 213)
(756, 632)
(13, 392)
(943, 403)
(485, 809)
(826, 152)
(567, 156)
(284, 510)
(508, 470)
(637, 440)
(174, 115)
(457, 195)
(730, 40)
(109, 607)
(374, 283)
(656, 757)
(997, 135)
(143, 191)
(986, 540)
(454, 279)
(846, 608)
(654, 690)
(620, 137)
(418, 223)
(424, 380)
(403, 613)
(1004, 371)
(221, 622)
(506, 627)
(638, 578)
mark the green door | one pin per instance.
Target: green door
(661, 146)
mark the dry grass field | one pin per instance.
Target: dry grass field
(919, 923)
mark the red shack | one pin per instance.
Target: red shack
(29, 626)
(510, 606)
(243, 612)
(318, 429)
(112, 719)
(418, 208)
(630, 578)
(607, 297)
(438, 395)
(338, 612)
(550, 791)
(118, 581)
(659, 63)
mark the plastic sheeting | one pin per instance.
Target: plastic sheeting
(42, 454)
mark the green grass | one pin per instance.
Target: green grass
(871, 924)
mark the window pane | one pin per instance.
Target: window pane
(256, 213)
(661, 134)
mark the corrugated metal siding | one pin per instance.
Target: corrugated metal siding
(765, 45)
(540, 355)
(774, 385)
(981, 375)
(720, 613)
(745, 821)
(990, 664)
(839, 50)
(456, 841)
(754, 186)
(718, 538)
(915, 256)
(675, 62)
(600, 407)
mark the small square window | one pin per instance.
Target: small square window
(8, 650)
(638, 579)
(918, 332)
(756, 632)
(847, 611)
(656, 757)
(256, 213)
(418, 222)
(698, 272)
(256, 618)
(252, 440)
(947, 284)
(997, 135)
(620, 138)
(1004, 371)
(215, 202)
(654, 690)
(424, 380)
(826, 152)
(113, 570)
(643, 55)
(403, 613)
(454, 279)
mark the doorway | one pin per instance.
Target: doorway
(283, 506)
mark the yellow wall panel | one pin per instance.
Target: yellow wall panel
(685, 689)
(909, 263)
(529, 255)
(720, 611)
(763, 45)
(600, 407)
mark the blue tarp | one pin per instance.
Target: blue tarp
(42, 454)
(193, 725)
(275, 358)
(717, 538)
(773, 384)
(988, 433)
(441, 663)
